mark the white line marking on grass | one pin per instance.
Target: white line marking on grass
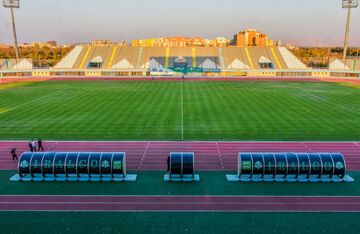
(32, 101)
(182, 112)
(304, 92)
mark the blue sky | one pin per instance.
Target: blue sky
(307, 22)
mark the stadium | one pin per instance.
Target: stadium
(179, 140)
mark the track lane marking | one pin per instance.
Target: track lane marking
(205, 151)
(219, 154)
(143, 155)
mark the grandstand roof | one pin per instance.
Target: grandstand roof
(12, 64)
(350, 64)
(237, 64)
(97, 59)
(263, 59)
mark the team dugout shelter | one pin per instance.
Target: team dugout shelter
(181, 167)
(291, 167)
(72, 166)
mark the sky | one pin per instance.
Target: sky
(300, 22)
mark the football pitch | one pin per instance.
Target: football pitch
(180, 110)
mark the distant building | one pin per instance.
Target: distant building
(67, 45)
(220, 42)
(25, 45)
(251, 37)
(101, 43)
(179, 41)
(122, 43)
(197, 41)
(150, 42)
(50, 44)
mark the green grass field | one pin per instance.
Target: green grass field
(176, 110)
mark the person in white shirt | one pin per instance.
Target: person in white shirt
(33, 144)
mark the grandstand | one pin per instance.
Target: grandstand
(131, 61)
(172, 60)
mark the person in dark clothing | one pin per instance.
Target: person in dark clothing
(13, 154)
(40, 146)
(168, 164)
(31, 147)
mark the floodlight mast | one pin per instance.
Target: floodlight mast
(348, 4)
(11, 4)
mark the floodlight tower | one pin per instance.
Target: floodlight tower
(348, 4)
(13, 4)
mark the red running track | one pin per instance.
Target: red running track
(208, 155)
(179, 203)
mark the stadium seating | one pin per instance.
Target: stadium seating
(206, 58)
(291, 61)
(69, 60)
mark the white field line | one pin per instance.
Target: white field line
(304, 93)
(32, 101)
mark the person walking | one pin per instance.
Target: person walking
(33, 145)
(13, 154)
(40, 145)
